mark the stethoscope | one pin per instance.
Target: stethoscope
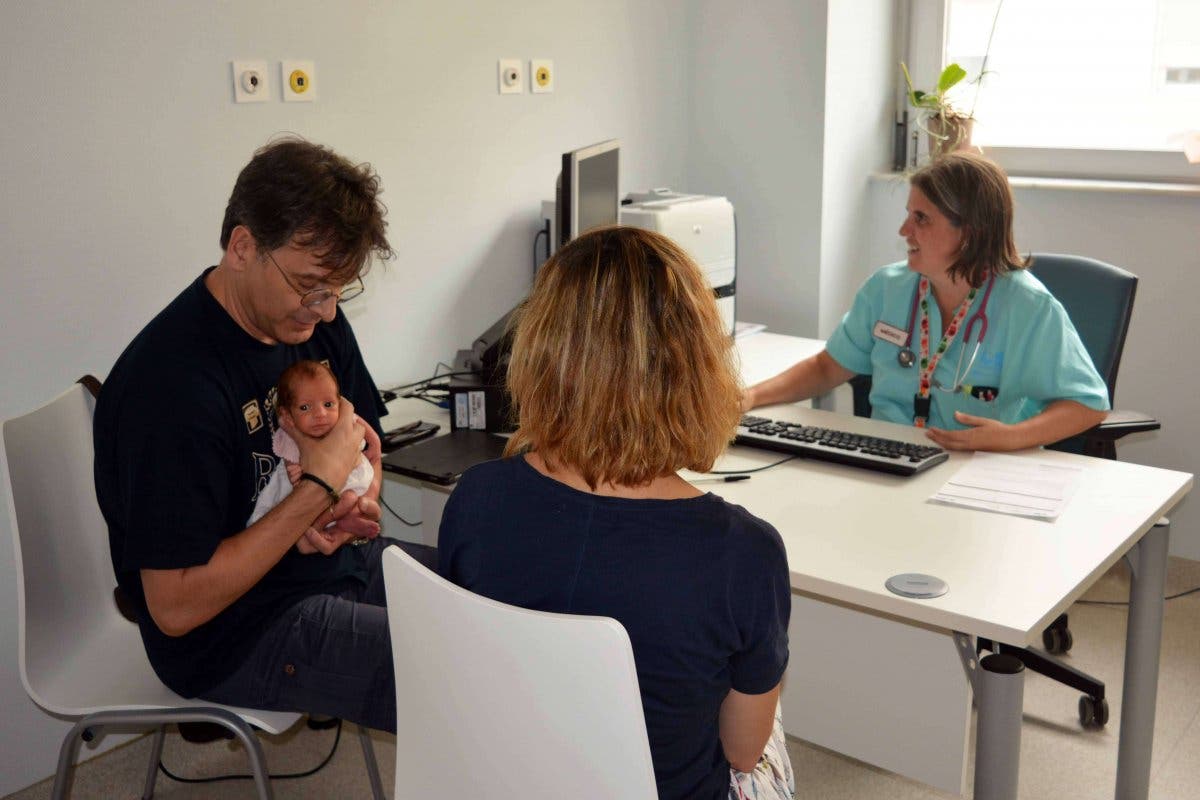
(906, 357)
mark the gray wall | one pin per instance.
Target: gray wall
(859, 120)
(119, 143)
(756, 136)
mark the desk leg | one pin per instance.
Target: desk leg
(1143, 640)
(1000, 695)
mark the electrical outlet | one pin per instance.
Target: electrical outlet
(250, 82)
(299, 80)
(509, 76)
(541, 75)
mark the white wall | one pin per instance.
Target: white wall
(756, 136)
(1156, 238)
(119, 144)
(860, 72)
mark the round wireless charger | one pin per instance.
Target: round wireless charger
(914, 584)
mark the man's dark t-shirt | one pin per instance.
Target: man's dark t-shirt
(183, 446)
(700, 585)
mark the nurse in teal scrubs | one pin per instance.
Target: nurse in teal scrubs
(961, 339)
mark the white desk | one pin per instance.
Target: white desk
(880, 677)
(847, 531)
(760, 355)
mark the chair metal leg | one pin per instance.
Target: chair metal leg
(66, 759)
(156, 748)
(157, 717)
(364, 737)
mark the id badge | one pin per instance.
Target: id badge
(890, 333)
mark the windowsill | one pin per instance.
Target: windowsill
(1097, 185)
(1081, 185)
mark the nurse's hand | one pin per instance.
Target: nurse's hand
(984, 433)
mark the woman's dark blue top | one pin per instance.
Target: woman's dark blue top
(700, 585)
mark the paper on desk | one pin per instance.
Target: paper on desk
(1011, 485)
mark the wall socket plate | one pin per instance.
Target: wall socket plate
(541, 75)
(509, 76)
(250, 84)
(299, 81)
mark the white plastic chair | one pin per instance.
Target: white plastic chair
(79, 656)
(502, 702)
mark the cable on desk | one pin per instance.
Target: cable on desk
(545, 231)
(397, 516)
(431, 378)
(748, 471)
(439, 403)
(537, 236)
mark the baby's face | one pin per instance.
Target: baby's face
(315, 410)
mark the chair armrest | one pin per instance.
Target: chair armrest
(1100, 440)
(1120, 423)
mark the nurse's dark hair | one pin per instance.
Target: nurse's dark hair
(297, 191)
(973, 193)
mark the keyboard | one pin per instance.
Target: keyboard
(840, 447)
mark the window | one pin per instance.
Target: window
(1105, 76)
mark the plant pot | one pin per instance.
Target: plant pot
(948, 134)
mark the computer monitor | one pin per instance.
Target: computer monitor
(588, 189)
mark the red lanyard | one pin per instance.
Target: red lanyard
(921, 400)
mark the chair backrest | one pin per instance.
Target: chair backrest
(64, 571)
(498, 701)
(1098, 298)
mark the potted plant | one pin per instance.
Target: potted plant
(949, 128)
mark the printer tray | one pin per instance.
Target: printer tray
(443, 459)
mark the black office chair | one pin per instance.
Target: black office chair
(1098, 298)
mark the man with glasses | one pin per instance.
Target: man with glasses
(266, 615)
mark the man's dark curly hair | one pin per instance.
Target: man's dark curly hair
(294, 191)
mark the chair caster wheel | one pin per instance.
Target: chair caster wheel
(1057, 640)
(1093, 713)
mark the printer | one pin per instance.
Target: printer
(702, 225)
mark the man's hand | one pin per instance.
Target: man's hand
(984, 434)
(374, 448)
(352, 518)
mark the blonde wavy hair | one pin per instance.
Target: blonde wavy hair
(621, 368)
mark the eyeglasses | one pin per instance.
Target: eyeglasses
(315, 297)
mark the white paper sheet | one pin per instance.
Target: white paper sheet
(1011, 485)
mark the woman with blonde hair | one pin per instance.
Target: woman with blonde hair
(622, 375)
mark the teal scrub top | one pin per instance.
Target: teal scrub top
(1031, 352)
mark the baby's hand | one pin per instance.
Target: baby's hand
(294, 471)
(315, 541)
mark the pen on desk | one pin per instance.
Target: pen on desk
(725, 479)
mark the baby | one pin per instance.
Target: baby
(308, 396)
